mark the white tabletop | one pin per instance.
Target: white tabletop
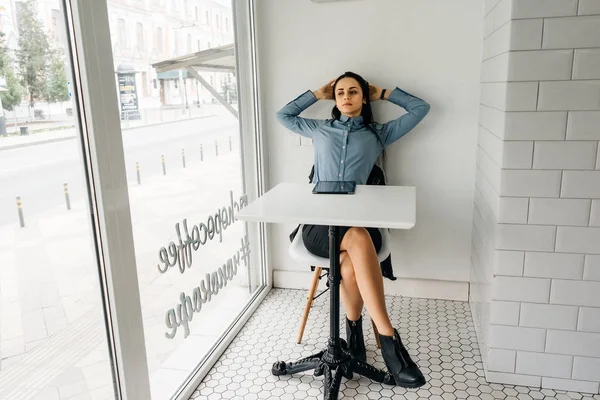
(370, 206)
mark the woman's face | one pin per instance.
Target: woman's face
(349, 97)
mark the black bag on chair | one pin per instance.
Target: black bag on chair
(376, 177)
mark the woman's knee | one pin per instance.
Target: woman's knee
(356, 237)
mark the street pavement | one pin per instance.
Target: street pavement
(36, 173)
(52, 337)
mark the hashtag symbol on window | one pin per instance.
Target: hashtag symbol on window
(245, 250)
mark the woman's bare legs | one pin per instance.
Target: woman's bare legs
(358, 246)
(351, 298)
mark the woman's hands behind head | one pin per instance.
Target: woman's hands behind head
(374, 92)
(325, 92)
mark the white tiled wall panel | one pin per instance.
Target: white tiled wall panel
(492, 120)
(553, 365)
(521, 96)
(581, 184)
(491, 144)
(545, 65)
(572, 33)
(559, 211)
(494, 95)
(505, 313)
(586, 63)
(517, 155)
(578, 240)
(543, 8)
(499, 42)
(509, 262)
(589, 7)
(591, 271)
(564, 155)
(499, 16)
(586, 369)
(514, 379)
(517, 338)
(570, 385)
(513, 210)
(576, 293)
(487, 191)
(569, 95)
(501, 360)
(529, 290)
(490, 169)
(583, 125)
(511, 96)
(595, 213)
(548, 316)
(536, 241)
(525, 237)
(553, 265)
(589, 319)
(526, 34)
(529, 183)
(490, 5)
(535, 125)
(495, 69)
(573, 343)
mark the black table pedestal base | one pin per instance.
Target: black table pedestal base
(333, 364)
(335, 361)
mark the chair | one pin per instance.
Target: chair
(299, 252)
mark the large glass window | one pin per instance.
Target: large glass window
(52, 329)
(184, 167)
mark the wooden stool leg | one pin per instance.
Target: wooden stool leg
(376, 334)
(311, 295)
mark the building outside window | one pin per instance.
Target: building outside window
(140, 36)
(159, 40)
(122, 32)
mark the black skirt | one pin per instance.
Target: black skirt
(316, 238)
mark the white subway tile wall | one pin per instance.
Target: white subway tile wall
(534, 126)
(540, 118)
(589, 7)
(583, 125)
(543, 8)
(591, 271)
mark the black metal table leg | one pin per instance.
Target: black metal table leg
(335, 361)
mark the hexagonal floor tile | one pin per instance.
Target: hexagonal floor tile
(439, 335)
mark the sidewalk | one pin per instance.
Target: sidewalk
(52, 338)
(65, 130)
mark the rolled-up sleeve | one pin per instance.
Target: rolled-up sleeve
(416, 109)
(288, 116)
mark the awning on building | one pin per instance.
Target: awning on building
(217, 59)
(220, 59)
(172, 75)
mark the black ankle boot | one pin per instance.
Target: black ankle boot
(355, 339)
(406, 373)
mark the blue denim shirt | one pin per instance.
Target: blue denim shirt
(346, 149)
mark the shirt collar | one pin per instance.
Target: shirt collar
(354, 120)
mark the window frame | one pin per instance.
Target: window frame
(89, 36)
